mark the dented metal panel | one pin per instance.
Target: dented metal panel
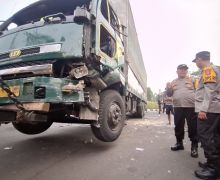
(53, 90)
(86, 112)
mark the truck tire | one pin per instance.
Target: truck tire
(32, 128)
(140, 110)
(111, 116)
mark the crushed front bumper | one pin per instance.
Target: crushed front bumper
(43, 90)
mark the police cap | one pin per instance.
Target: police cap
(182, 66)
(205, 55)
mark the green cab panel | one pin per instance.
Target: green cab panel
(69, 36)
(51, 93)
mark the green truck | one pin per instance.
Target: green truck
(71, 61)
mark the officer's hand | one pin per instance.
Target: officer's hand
(202, 116)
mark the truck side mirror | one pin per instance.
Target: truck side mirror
(81, 15)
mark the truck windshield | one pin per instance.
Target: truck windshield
(42, 8)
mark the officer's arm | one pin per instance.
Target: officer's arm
(173, 85)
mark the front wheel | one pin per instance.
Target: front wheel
(111, 116)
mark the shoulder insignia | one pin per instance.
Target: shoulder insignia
(209, 75)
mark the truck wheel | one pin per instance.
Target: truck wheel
(140, 110)
(111, 116)
(32, 128)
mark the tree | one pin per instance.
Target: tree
(195, 73)
(150, 94)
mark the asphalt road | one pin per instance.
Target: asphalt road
(70, 152)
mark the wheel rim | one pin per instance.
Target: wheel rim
(114, 116)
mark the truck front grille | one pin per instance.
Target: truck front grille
(30, 51)
(26, 71)
(28, 63)
(23, 52)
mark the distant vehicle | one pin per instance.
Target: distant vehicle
(71, 61)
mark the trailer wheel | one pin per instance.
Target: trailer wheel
(140, 110)
(32, 128)
(111, 116)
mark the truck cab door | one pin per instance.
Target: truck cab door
(109, 44)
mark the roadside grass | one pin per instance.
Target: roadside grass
(151, 105)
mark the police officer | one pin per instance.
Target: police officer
(208, 107)
(168, 101)
(159, 101)
(184, 108)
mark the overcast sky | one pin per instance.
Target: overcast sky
(170, 33)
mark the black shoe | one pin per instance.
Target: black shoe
(177, 147)
(207, 174)
(194, 152)
(203, 165)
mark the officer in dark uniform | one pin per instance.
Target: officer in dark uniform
(184, 109)
(159, 101)
(207, 105)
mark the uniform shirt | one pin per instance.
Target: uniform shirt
(168, 100)
(183, 92)
(208, 92)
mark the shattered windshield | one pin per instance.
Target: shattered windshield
(40, 9)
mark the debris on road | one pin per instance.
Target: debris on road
(139, 149)
(90, 141)
(161, 132)
(8, 148)
(169, 171)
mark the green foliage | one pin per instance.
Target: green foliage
(150, 95)
(152, 105)
(195, 73)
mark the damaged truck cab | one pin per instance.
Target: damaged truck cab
(65, 61)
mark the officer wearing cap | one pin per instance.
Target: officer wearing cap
(207, 105)
(184, 108)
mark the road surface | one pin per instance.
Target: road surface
(71, 152)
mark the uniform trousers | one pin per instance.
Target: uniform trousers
(180, 114)
(209, 135)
